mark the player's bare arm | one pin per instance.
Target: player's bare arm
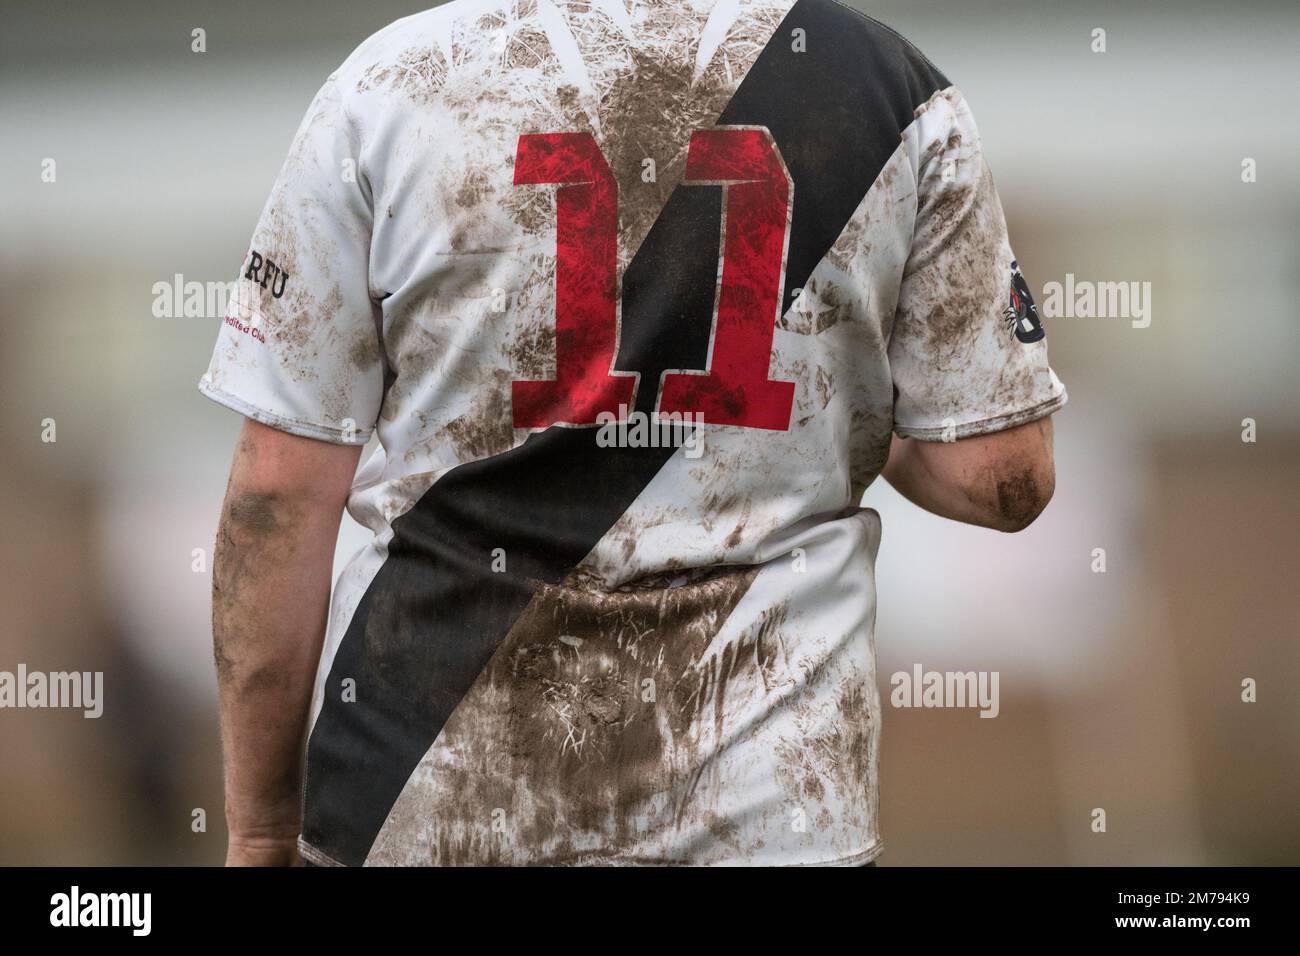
(270, 596)
(1002, 481)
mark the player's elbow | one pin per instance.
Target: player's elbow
(1022, 489)
(1017, 478)
(1002, 480)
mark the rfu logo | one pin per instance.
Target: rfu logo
(257, 263)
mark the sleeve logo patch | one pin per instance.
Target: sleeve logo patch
(262, 270)
(1021, 313)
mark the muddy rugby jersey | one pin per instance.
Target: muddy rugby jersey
(632, 294)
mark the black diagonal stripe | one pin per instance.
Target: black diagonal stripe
(435, 612)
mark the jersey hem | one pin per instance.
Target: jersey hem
(316, 856)
(309, 852)
(985, 426)
(293, 426)
(855, 859)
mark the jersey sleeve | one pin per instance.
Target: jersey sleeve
(967, 352)
(299, 347)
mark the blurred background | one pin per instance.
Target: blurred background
(1119, 690)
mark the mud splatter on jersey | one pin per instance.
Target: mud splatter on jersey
(756, 236)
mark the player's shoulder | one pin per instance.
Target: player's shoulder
(885, 50)
(416, 54)
(420, 44)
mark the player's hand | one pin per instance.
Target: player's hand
(262, 851)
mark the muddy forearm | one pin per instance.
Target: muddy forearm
(271, 582)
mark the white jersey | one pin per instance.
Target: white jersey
(633, 293)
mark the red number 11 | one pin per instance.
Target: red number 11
(734, 389)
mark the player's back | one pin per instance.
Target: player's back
(634, 294)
